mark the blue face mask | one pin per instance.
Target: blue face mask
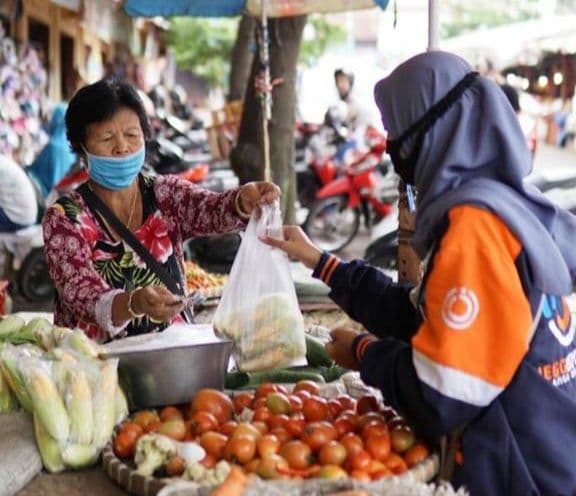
(115, 173)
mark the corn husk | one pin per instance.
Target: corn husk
(9, 365)
(47, 403)
(105, 403)
(79, 455)
(121, 406)
(8, 402)
(48, 447)
(10, 325)
(79, 407)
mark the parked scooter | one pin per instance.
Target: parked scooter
(367, 188)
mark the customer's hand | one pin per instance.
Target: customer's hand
(253, 195)
(340, 348)
(157, 302)
(297, 245)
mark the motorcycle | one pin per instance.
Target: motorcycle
(367, 188)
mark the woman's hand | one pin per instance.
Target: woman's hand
(252, 195)
(157, 302)
(340, 348)
(297, 245)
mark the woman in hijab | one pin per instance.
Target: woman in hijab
(482, 352)
(56, 158)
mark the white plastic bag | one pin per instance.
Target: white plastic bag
(259, 310)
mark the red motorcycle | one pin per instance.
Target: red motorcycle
(367, 188)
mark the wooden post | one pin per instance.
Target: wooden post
(409, 264)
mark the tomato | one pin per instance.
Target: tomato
(203, 422)
(378, 446)
(214, 443)
(278, 421)
(241, 401)
(252, 466)
(295, 425)
(334, 407)
(262, 414)
(302, 394)
(332, 453)
(396, 464)
(360, 475)
(402, 439)
(282, 434)
(264, 389)
(208, 461)
(332, 472)
(374, 428)
(124, 445)
(246, 429)
(240, 449)
(269, 466)
(352, 442)
(131, 429)
(145, 417)
(295, 403)
(347, 402)
(370, 417)
(267, 445)
(358, 461)
(174, 429)
(367, 403)
(342, 426)
(317, 434)
(261, 426)
(278, 403)
(281, 389)
(396, 422)
(315, 408)
(214, 402)
(378, 470)
(227, 428)
(417, 453)
(307, 385)
(351, 417)
(152, 426)
(170, 412)
(175, 466)
(297, 454)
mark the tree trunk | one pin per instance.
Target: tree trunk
(242, 57)
(285, 36)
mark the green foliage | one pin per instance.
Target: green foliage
(322, 35)
(461, 17)
(204, 46)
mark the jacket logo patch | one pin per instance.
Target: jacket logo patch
(560, 321)
(460, 308)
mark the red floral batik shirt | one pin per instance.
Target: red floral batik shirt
(89, 266)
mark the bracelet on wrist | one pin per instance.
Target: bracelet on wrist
(132, 313)
(239, 210)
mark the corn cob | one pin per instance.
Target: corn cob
(78, 341)
(11, 373)
(79, 406)
(38, 331)
(48, 447)
(79, 455)
(48, 404)
(105, 404)
(60, 334)
(9, 325)
(8, 402)
(121, 406)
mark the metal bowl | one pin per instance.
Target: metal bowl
(169, 367)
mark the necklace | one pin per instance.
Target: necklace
(132, 209)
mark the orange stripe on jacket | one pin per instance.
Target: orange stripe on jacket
(478, 319)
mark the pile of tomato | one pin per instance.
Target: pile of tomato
(295, 434)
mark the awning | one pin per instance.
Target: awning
(230, 8)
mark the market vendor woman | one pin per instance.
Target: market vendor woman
(102, 285)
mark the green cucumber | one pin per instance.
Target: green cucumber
(251, 380)
(316, 353)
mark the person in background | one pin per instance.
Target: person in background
(18, 205)
(102, 285)
(481, 351)
(355, 116)
(56, 158)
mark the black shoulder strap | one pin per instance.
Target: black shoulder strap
(168, 279)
